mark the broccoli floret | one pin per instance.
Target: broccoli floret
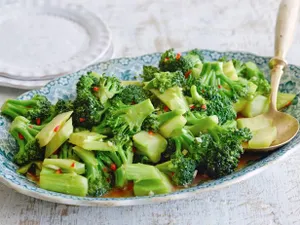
(154, 120)
(38, 109)
(62, 106)
(127, 119)
(212, 75)
(224, 149)
(195, 56)
(181, 168)
(133, 94)
(251, 72)
(210, 101)
(96, 173)
(107, 88)
(170, 61)
(87, 110)
(87, 82)
(165, 80)
(148, 72)
(24, 133)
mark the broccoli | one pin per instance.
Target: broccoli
(127, 119)
(210, 101)
(96, 173)
(62, 106)
(87, 82)
(148, 72)
(91, 141)
(224, 149)
(165, 80)
(251, 72)
(68, 183)
(148, 180)
(133, 94)
(181, 167)
(154, 121)
(87, 110)
(114, 160)
(67, 152)
(25, 133)
(170, 61)
(107, 88)
(38, 109)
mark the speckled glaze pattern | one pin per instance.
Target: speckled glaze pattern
(129, 69)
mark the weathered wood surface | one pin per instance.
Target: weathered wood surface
(145, 26)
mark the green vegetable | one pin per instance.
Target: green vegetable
(91, 141)
(50, 130)
(263, 138)
(173, 98)
(98, 184)
(25, 135)
(256, 106)
(38, 109)
(151, 145)
(66, 165)
(59, 138)
(67, 183)
(148, 72)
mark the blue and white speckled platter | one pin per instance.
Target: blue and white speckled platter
(129, 69)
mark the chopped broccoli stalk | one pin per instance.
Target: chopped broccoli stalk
(107, 88)
(229, 70)
(59, 138)
(91, 141)
(51, 129)
(169, 128)
(98, 184)
(133, 94)
(181, 168)
(66, 165)
(150, 144)
(195, 57)
(38, 109)
(67, 183)
(201, 125)
(147, 179)
(165, 80)
(25, 135)
(154, 120)
(148, 72)
(173, 98)
(63, 106)
(128, 119)
(132, 82)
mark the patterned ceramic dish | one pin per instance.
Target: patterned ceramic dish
(128, 69)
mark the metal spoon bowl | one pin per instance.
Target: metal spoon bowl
(287, 126)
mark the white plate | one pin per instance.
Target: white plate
(42, 39)
(34, 84)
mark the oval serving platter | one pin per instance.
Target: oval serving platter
(129, 69)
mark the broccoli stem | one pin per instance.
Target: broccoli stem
(66, 165)
(67, 183)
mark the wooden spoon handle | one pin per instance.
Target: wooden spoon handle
(287, 20)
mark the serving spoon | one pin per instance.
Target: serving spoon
(287, 126)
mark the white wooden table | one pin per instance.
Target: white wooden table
(145, 26)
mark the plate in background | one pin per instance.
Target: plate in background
(34, 84)
(43, 39)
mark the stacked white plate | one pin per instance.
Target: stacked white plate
(44, 39)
